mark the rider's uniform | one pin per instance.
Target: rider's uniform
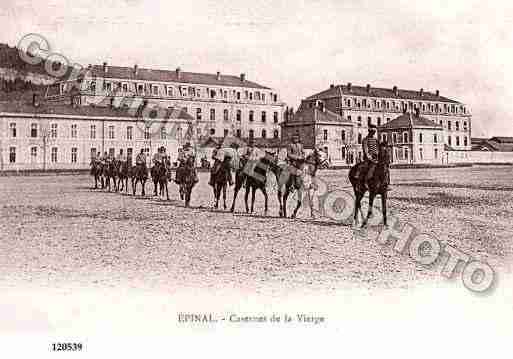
(370, 155)
(183, 157)
(219, 155)
(141, 159)
(295, 154)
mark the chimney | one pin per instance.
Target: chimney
(368, 88)
(35, 103)
(421, 93)
(437, 93)
(178, 72)
(242, 77)
(218, 76)
(136, 69)
(105, 68)
(349, 85)
(396, 91)
(332, 86)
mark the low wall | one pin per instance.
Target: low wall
(478, 157)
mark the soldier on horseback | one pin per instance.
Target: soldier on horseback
(370, 153)
(220, 155)
(296, 156)
(140, 160)
(184, 158)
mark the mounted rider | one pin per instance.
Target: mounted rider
(370, 153)
(158, 158)
(184, 157)
(121, 156)
(219, 155)
(296, 157)
(140, 160)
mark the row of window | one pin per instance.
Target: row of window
(152, 89)
(34, 153)
(238, 115)
(111, 134)
(379, 123)
(424, 107)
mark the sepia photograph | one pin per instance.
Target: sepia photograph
(286, 178)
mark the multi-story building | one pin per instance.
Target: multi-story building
(221, 104)
(106, 109)
(363, 105)
(319, 127)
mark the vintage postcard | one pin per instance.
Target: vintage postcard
(256, 178)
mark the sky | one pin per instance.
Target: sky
(462, 48)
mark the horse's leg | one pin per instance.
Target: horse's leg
(372, 195)
(357, 199)
(285, 199)
(143, 184)
(246, 195)
(266, 198)
(134, 185)
(299, 201)
(253, 192)
(384, 207)
(167, 190)
(310, 193)
(280, 199)
(235, 192)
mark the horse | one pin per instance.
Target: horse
(187, 179)
(378, 184)
(123, 172)
(160, 176)
(96, 171)
(293, 178)
(254, 178)
(221, 182)
(110, 171)
(139, 175)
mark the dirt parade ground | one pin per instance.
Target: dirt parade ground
(57, 231)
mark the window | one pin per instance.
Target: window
(111, 132)
(53, 130)
(140, 88)
(12, 154)
(275, 98)
(276, 134)
(383, 137)
(163, 133)
(251, 116)
(263, 97)
(112, 152)
(238, 133)
(394, 137)
(33, 130)
(436, 153)
(246, 94)
(421, 155)
(359, 138)
(73, 131)
(388, 119)
(263, 116)
(349, 118)
(343, 135)
(129, 132)
(264, 133)
(225, 114)
(198, 114)
(212, 131)
(33, 154)
(74, 152)
(155, 90)
(12, 129)
(449, 140)
(420, 137)
(129, 153)
(238, 95)
(343, 153)
(225, 132)
(53, 155)
(251, 95)
(379, 121)
(457, 140)
(441, 123)
(435, 139)
(359, 121)
(212, 93)
(325, 135)
(465, 141)
(92, 133)
(275, 117)
(449, 125)
(212, 114)
(369, 121)
(405, 137)
(457, 125)
(405, 153)
(125, 87)
(170, 91)
(251, 133)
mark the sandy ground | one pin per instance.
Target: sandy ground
(57, 232)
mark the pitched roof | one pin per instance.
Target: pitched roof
(128, 73)
(491, 145)
(314, 115)
(408, 120)
(340, 90)
(48, 108)
(259, 142)
(500, 139)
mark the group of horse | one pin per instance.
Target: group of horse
(120, 172)
(251, 175)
